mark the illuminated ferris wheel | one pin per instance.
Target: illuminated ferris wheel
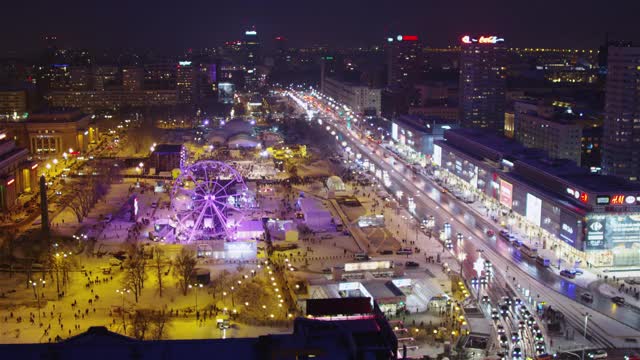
(210, 198)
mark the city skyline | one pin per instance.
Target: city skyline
(165, 28)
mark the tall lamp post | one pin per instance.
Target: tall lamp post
(586, 321)
(196, 286)
(36, 292)
(123, 292)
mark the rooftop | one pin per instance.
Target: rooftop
(168, 148)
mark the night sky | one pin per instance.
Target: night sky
(173, 25)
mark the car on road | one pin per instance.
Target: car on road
(504, 342)
(485, 299)
(521, 325)
(568, 274)
(516, 353)
(504, 310)
(411, 264)
(495, 315)
(618, 300)
(536, 329)
(501, 330)
(540, 348)
(515, 337)
(598, 354)
(490, 233)
(386, 252)
(586, 297)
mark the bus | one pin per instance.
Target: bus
(530, 251)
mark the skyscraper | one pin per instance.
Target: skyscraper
(186, 82)
(482, 82)
(132, 78)
(404, 60)
(621, 142)
(251, 58)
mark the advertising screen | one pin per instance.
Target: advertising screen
(534, 209)
(506, 193)
(394, 131)
(611, 230)
(367, 266)
(437, 155)
(568, 228)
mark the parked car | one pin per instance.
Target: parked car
(411, 264)
(598, 354)
(568, 274)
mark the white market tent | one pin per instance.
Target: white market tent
(334, 183)
(316, 218)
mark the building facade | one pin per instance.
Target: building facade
(90, 101)
(53, 133)
(12, 102)
(17, 174)
(541, 126)
(362, 100)
(186, 82)
(404, 60)
(621, 140)
(582, 218)
(482, 83)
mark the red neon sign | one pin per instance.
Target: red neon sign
(617, 200)
(409, 38)
(11, 182)
(584, 197)
(466, 39)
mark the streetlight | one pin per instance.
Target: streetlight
(586, 321)
(34, 284)
(123, 292)
(196, 286)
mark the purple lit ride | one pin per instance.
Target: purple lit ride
(210, 198)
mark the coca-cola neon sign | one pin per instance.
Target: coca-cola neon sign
(492, 39)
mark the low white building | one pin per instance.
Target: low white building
(361, 99)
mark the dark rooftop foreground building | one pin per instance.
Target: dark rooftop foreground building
(318, 339)
(581, 216)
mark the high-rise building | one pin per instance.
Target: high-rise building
(482, 82)
(251, 58)
(80, 78)
(186, 82)
(547, 127)
(621, 141)
(404, 60)
(132, 78)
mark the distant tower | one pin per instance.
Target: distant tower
(44, 207)
(482, 82)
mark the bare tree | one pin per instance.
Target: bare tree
(160, 322)
(140, 324)
(135, 273)
(159, 262)
(149, 324)
(184, 265)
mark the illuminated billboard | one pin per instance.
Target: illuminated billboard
(534, 209)
(368, 266)
(437, 155)
(506, 193)
(608, 231)
(491, 39)
(394, 131)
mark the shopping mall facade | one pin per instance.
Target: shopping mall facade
(554, 203)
